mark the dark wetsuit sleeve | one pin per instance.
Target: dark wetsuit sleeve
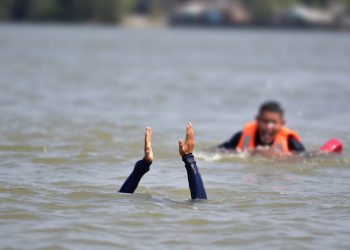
(233, 142)
(294, 145)
(131, 183)
(194, 178)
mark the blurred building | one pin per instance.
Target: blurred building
(303, 16)
(213, 13)
(239, 13)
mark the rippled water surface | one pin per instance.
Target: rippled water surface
(74, 104)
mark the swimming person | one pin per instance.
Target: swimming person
(267, 134)
(185, 150)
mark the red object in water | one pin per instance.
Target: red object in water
(332, 146)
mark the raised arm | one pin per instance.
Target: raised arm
(194, 178)
(141, 167)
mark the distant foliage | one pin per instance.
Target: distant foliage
(111, 11)
(62, 10)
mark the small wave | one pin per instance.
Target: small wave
(18, 191)
(98, 244)
(19, 216)
(85, 195)
(51, 160)
(244, 157)
(218, 156)
(21, 148)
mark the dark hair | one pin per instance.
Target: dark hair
(271, 106)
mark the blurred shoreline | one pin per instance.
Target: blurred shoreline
(156, 26)
(228, 14)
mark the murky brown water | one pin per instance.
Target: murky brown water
(74, 104)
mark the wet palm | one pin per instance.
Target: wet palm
(148, 145)
(187, 146)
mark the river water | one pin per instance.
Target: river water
(74, 104)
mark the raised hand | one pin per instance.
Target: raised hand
(187, 146)
(148, 145)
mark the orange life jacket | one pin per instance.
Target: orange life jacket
(247, 140)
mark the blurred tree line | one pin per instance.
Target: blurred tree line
(64, 10)
(111, 11)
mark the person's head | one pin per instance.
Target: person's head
(269, 119)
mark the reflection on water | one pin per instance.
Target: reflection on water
(74, 104)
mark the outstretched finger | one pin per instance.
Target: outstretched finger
(189, 132)
(181, 147)
(148, 136)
